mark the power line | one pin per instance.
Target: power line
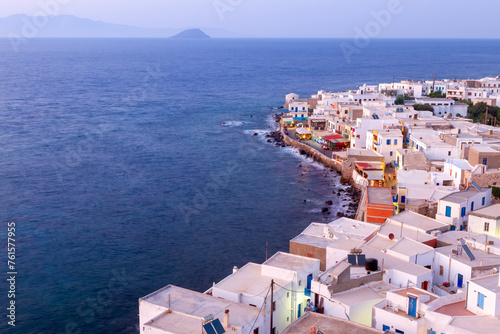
(333, 301)
(262, 307)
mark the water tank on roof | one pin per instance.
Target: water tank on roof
(371, 264)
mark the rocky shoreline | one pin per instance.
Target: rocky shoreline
(349, 193)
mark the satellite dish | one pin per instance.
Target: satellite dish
(391, 236)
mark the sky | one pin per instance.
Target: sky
(287, 18)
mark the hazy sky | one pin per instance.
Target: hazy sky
(288, 18)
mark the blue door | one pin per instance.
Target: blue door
(386, 328)
(460, 280)
(412, 310)
(300, 311)
(429, 331)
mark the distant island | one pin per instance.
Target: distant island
(22, 26)
(191, 33)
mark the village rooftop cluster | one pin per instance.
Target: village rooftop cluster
(423, 252)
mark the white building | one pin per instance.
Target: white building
(486, 220)
(454, 209)
(174, 310)
(483, 295)
(250, 285)
(385, 142)
(453, 265)
(444, 106)
(433, 147)
(403, 311)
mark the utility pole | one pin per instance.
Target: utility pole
(434, 83)
(266, 250)
(272, 304)
(486, 116)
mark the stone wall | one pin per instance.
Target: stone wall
(314, 154)
(354, 283)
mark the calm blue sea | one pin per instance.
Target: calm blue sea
(121, 178)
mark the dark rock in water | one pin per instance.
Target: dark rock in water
(341, 190)
(333, 192)
(302, 152)
(255, 134)
(305, 201)
(269, 140)
(328, 213)
(329, 203)
(251, 116)
(268, 135)
(283, 145)
(324, 210)
(340, 214)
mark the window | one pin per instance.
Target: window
(256, 330)
(390, 153)
(441, 271)
(388, 142)
(403, 199)
(480, 300)
(486, 227)
(483, 201)
(463, 211)
(300, 283)
(472, 206)
(485, 161)
(274, 306)
(449, 153)
(448, 211)
(395, 141)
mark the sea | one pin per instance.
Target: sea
(131, 164)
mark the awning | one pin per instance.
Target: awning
(303, 131)
(332, 137)
(376, 175)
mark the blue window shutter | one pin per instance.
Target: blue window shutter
(480, 300)
(463, 211)
(448, 211)
(484, 200)
(472, 206)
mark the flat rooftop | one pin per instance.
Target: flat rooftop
(374, 290)
(414, 219)
(320, 242)
(342, 227)
(455, 310)
(249, 280)
(409, 247)
(488, 282)
(410, 232)
(492, 212)
(416, 292)
(379, 195)
(179, 323)
(392, 262)
(481, 258)
(188, 305)
(484, 149)
(476, 324)
(461, 196)
(289, 261)
(327, 324)
(363, 152)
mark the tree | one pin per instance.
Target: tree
(400, 100)
(423, 107)
(437, 94)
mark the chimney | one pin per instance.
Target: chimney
(313, 330)
(226, 319)
(235, 269)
